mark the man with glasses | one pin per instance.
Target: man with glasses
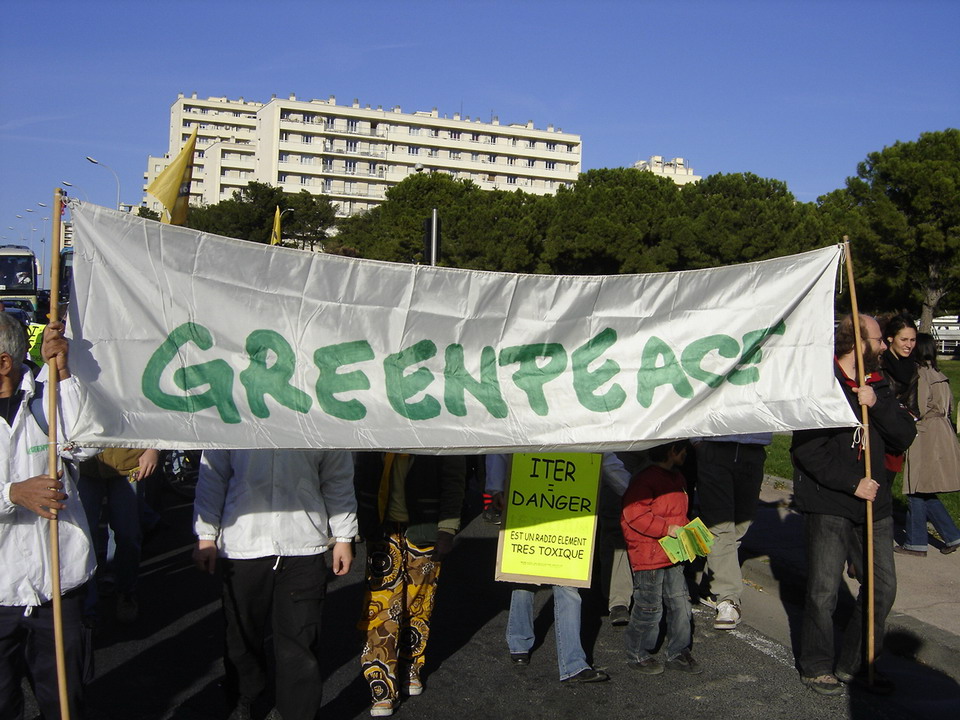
(831, 488)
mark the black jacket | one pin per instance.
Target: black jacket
(434, 489)
(829, 463)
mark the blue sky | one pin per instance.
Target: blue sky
(797, 91)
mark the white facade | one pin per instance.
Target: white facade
(676, 169)
(354, 154)
(946, 330)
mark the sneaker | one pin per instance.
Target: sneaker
(882, 685)
(128, 610)
(242, 709)
(492, 516)
(684, 662)
(826, 684)
(728, 615)
(648, 666)
(588, 675)
(900, 550)
(414, 685)
(619, 616)
(709, 601)
(382, 708)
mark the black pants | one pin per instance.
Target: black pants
(27, 646)
(287, 593)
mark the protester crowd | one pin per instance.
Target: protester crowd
(274, 523)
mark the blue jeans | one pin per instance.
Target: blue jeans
(123, 515)
(566, 621)
(922, 507)
(830, 540)
(652, 590)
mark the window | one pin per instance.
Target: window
(551, 146)
(307, 139)
(433, 152)
(491, 158)
(475, 157)
(511, 180)
(304, 180)
(531, 143)
(282, 177)
(327, 185)
(531, 162)
(511, 161)
(329, 123)
(284, 157)
(475, 137)
(454, 155)
(353, 126)
(351, 167)
(434, 133)
(551, 165)
(454, 134)
(413, 130)
(413, 150)
(372, 170)
(352, 146)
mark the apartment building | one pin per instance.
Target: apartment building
(354, 154)
(676, 169)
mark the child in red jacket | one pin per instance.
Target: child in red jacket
(654, 506)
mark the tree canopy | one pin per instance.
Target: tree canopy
(903, 209)
(249, 214)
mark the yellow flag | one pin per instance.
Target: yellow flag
(275, 235)
(172, 186)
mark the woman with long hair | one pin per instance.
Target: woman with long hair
(933, 461)
(898, 366)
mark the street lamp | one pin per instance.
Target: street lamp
(42, 237)
(70, 185)
(116, 177)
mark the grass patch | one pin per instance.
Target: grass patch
(778, 454)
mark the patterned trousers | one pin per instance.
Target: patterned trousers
(401, 585)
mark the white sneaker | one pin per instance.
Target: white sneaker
(382, 708)
(728, 615)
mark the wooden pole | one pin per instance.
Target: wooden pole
(861, 380)
(53, 379)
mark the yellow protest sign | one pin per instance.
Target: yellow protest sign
(34, 341)
(550, 519)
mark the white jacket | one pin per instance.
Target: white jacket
(261, 503)
(24, 535)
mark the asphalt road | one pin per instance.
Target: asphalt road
(168, 664)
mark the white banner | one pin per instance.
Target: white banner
(190, 340)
